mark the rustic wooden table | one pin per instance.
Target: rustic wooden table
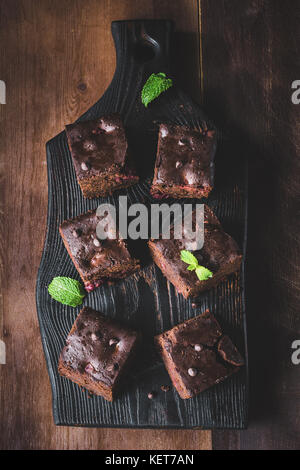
(237, 57)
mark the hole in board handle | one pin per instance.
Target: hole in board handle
(145, 50)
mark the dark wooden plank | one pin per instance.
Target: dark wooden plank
(247, 84)
(2, 253)
(54, 71)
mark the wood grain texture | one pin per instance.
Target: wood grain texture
(248, 86)
(49, 52)
(146, 300)
(2, 253)
(54, 70)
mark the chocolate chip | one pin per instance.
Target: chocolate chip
(113, 341)
(84, 166)
(192, 372)
(96, 242)
(89, 146)
(163, 131)
(108, 127)
(76, 233)
(89, 368)
(198, 347)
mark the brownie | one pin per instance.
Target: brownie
(96, 260)
(98, 352)
(184, 165)
(100, 155)
(197, 355)
(220, 254)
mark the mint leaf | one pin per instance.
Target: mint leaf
(192, 267)
(203, 273)
(188, 258)
(66, 291)
(154, 86)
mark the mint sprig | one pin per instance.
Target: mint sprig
(156, 84)
(202, 273)
(66, 291)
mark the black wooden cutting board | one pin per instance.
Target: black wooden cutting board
(146, 300)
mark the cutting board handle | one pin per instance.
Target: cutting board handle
(144, 42)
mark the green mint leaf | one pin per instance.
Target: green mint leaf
(66, 291)
(192, 267)
(188, 258)
(203, 273)
(156, 84)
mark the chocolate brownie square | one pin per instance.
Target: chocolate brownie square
(96, 260)
(197, 355)
(220, 254)
(97, 353)
(184, 165)
(100, 155)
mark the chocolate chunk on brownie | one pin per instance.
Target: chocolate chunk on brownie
(229, 352)
(100, 155)
(220, 254)
(95, 259)
(193, 355)
(184, 165)
(97, 353)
